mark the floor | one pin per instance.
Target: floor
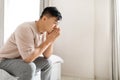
(73, 78)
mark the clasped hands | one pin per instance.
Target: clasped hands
(53, 34)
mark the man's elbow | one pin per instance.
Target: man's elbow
(28, 59)
(46, 56)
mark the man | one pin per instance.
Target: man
(20, 56)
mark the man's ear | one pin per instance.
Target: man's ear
(44, 18)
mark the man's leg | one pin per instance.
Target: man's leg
(18, 68)
(44, 65)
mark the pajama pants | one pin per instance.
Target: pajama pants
(27, 71)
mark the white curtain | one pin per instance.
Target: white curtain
(1, 21)
(116, 40)
(43, 4)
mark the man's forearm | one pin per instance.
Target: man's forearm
(48, 52)
(39, 50)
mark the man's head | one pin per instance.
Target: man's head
(51, 12)
(50, 17)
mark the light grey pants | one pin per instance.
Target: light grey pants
(27, 71)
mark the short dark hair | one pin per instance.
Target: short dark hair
(51, 11)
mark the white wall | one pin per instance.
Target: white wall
(103, 49)
(76, 43)
(1, 21)
(85, 41)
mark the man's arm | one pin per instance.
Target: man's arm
(48, 52)
(44, 46)
(39, 50)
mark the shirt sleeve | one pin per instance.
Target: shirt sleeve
(25, 40)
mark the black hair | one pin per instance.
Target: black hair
(51, 11)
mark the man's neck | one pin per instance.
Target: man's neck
(39, 26)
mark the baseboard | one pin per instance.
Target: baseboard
(77, 76)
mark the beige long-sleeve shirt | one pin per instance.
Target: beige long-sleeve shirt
(22, 42)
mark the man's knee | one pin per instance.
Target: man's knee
(47, 65)
(32, 67)
(28, 71)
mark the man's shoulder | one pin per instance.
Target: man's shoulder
(25, 26)
(25, 29)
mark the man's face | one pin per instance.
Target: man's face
(50, 23)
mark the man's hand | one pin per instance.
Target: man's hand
(54, 34)
(51, 37)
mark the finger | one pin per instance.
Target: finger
(56, 27)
